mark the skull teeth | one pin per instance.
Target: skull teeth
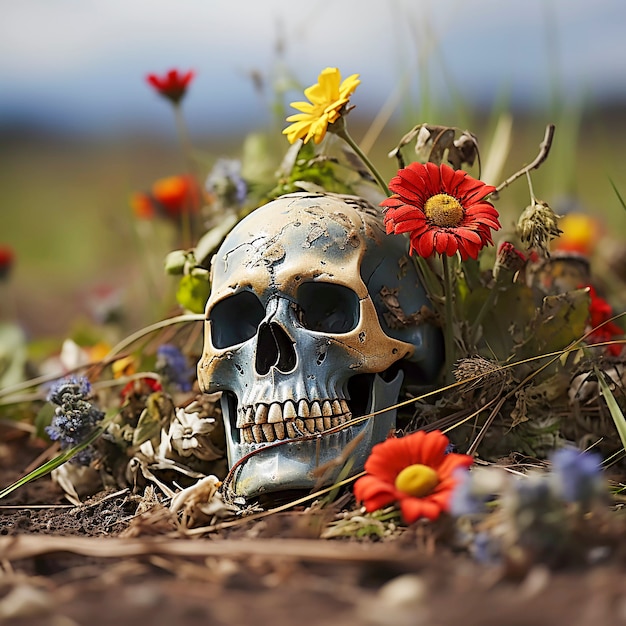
(263, 423)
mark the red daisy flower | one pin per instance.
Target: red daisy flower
(599, 312)
(172, 85)
(414, 471)
(442, 209)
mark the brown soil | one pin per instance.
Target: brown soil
(99, 564)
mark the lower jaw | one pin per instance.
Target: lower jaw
(296, 464)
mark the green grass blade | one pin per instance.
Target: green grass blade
(611, 402)
(61, 458)
(618, 194)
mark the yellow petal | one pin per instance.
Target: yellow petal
(305, 107)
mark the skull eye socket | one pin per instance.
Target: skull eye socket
(328, 308)
(235, 319)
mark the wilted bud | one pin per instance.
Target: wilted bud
(509, 260)
(537, 226)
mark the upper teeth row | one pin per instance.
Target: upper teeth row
(268, 422)
(289, 411)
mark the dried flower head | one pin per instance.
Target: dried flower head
(478, 371)
(327, 102)
(537, 227)
(443, 210)
(189, 436)
(509, 260)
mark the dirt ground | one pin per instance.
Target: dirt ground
(101, 563)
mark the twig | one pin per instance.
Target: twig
(544, 150)
(310, 550)
(479, 437)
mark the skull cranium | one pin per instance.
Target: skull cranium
(297, 339)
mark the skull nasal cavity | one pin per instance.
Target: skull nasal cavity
(274, 349)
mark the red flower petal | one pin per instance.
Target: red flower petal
(405, 226)
(441, 241)
(425, 244)
(469, 235)
(415, 508)
(374, 492)
(453, 246)
(432, 447)
(451, 462)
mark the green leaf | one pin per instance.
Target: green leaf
(505, 320)
(13, 354)
(611, 403)
(43, 419)
(193, 292)
(559, 321)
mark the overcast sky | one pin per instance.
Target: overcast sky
(82, 63)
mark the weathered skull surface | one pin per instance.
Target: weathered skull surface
(301, 339)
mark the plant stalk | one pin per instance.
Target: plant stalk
(448, 337)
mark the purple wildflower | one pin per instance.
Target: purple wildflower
(75, 416)
(173, 366)
(579, 474)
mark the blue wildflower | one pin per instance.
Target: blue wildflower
(75, 416)
(72, 387)
(173, 366)
(486, 549)
(475, 489)
(226, 183)
(533, 493)
(579, 475)
(465, 500)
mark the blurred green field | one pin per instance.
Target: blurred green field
(65, 206)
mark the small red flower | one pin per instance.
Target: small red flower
(414, 471)
(172, 85)
(7, 256)
(599, 312)
(170, 197)
(140, 387)
(442, 209)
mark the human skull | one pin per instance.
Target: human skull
(300, 340)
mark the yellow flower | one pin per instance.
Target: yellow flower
(327, 98)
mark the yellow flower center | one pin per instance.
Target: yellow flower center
(417, 480)
(444, 210)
